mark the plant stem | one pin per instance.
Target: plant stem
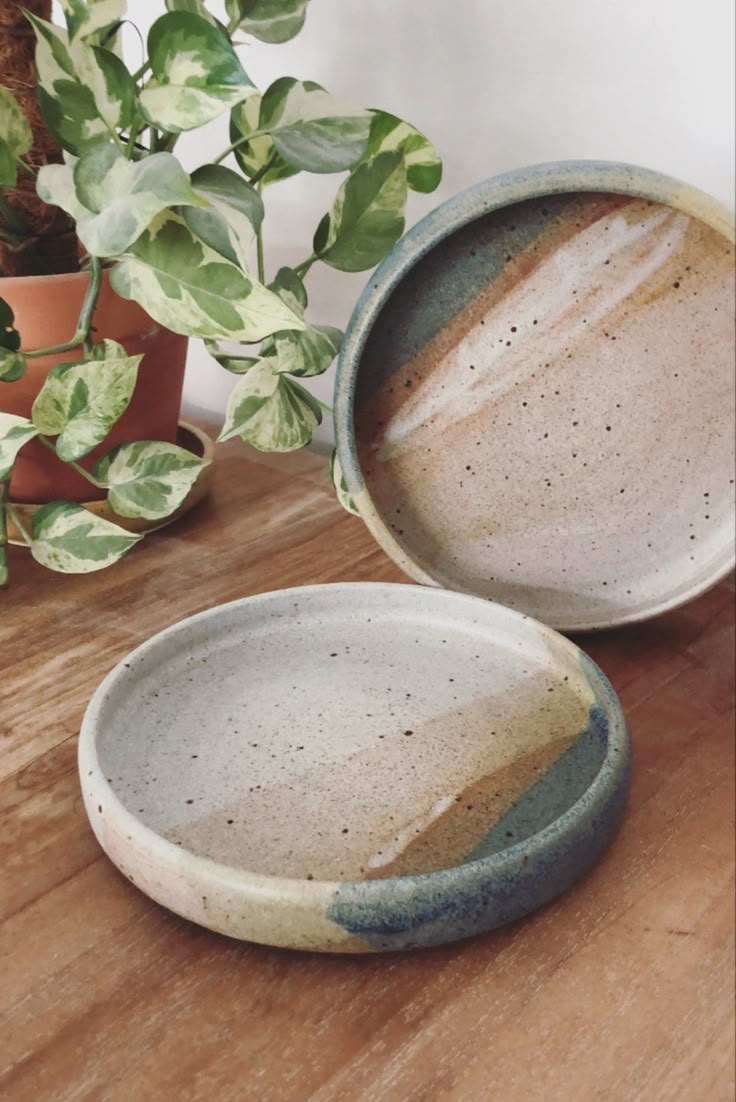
(229, 150)
(26, 168)
(326, 408)
(258, 176)
(4, 494)
(302, 269)
(141, 72)
(233, 25)
(135, 129)
(85, 317)
(241, 141)
(259, 255)
(90, 299)
(70, 463)
(259, 248)
(19, 523)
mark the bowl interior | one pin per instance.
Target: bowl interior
(544, 413)
(352, 732)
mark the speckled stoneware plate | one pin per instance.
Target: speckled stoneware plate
(355, 767)
(535, 397)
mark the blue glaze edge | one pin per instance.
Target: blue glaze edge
(420, 911)
(548, 797)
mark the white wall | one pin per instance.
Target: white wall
(496, 85)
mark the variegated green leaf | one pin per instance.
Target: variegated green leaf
(111, 199)
(252, 156)
(86, 17)
(84, 91)
(14, 433)
(55, 185)
(290, 289)
(103, 176)
(9, 335)
(102, 72)
(4, 572)
(8, 166)
(423, 166)
(270, 411)
(176, 108)
(231, 358)
(148, 479)
(188, 287)
(237, 365)
(71, 540)
(15, 130)
(125, 196)
(12, 365)
(367, 217)
(81, 402)
(111, 39)
(107, 349)
(269, 20)
(310, 352)
(341, 487)
(234, 215)
(196, 7)
(16, 137)
(248, 397)
(310, 129)
(196, 73)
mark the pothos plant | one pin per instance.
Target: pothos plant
(187, 246)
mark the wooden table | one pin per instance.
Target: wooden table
(620, 990)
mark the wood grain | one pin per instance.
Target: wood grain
(621, 990)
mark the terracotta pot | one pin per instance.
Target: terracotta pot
(46, 309)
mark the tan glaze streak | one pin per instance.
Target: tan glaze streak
(609, 418)
(487, 755)
(383, 404)
(452, 836)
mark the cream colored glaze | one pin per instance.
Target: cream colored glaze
(591, 444)
(290, 917)
(402, 804)
(287, 770)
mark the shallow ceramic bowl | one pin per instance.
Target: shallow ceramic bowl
(535, 396)
(354, 767)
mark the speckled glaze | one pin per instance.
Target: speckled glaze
(535, 397)
(355, 767)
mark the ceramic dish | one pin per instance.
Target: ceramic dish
(354, 767)
(535, 396)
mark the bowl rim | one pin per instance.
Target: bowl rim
(317, 894)
(506, 189)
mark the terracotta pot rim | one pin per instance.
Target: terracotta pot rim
(55, 277)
